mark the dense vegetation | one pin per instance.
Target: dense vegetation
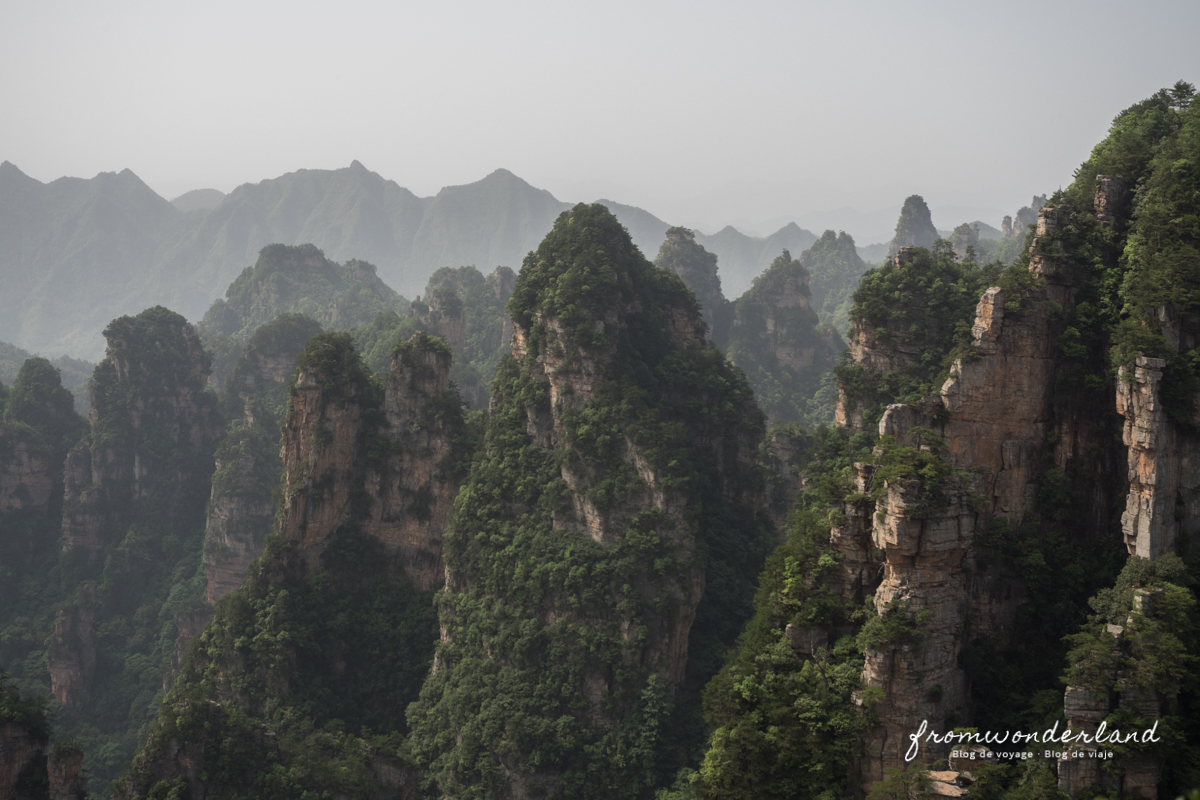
(544, 669)
(777, 342)
(75, 372)
(924, 307)
(567, 571)
(835, 269)
(697, 268)
(296, 280)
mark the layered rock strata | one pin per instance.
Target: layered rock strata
(993, 413)
(1164, 465)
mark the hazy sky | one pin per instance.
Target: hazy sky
(701, 112)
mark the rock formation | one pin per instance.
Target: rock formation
(777, 343)
(993, 414)
(135, 492)
(27, 475)
(66, 774)
(965, 239)
(610, 468)
(915, 226)
(1164, 465)
(1028, 215)
(698, 268)
(389, 467)
(240, 510)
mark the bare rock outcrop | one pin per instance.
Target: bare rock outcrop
(993, 414)
(1164, 465)
(1112, 195)
(66, 774)
(26, 475)
(73, 652)
(385, 468)
(925, 533)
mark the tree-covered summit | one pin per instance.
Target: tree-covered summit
(611, 505)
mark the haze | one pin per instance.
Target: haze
(702, 113)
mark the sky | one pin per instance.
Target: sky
(703, 113)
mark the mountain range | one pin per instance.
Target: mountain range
(75, 253)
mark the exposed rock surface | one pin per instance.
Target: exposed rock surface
(27, 476)
(66, 775)
(994, 414)
(408, 492)
(73, 652)
(21, 752)
(1164, 465)
(925, 543)
(240, 509)
(1112, 195)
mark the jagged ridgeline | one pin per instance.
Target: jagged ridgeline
(299, 280)
(300, 682)
(1024, 445)
(602, 553)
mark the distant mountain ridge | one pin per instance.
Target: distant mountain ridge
(74, 253)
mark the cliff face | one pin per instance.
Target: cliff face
(344, 591)
(1019, 446)
(390, 468)
(240, 509)
(593, 503)
(993, 415)
(27, 477)
(147, 400)
(1164, 464)
(38, 425)
(134, 508)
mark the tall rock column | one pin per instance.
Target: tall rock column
(602, 555)
(388, 464)
(924, 528)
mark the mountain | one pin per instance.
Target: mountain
(776, 342)
(835, 268)
(198, 200)
(743, 258)
(75, 253)
(915, 226)
(292, 280)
